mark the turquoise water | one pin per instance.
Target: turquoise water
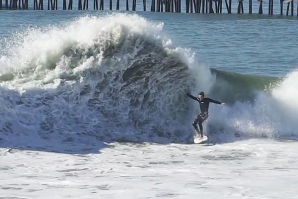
(245, 44)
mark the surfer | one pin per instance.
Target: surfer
(204, 106)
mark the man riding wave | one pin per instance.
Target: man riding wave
(204, 106)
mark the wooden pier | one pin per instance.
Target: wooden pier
(287, 7)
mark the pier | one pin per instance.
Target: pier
(284, 7)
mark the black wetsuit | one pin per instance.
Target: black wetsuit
(204, 106)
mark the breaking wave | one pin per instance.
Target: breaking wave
(120, 77)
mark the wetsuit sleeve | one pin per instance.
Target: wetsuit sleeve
(214, 101)
(192, 97)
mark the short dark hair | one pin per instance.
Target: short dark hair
(202, 93)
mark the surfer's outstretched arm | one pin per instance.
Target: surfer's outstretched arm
(215, 101)
(192, 97)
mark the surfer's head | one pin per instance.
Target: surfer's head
(201, 95)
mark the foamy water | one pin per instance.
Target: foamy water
(249, 169)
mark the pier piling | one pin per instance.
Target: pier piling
(190, 6)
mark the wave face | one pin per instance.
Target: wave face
(114, 77)
(119, 77)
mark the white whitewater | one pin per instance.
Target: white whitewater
(260, 169)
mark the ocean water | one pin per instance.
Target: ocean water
(92, 105)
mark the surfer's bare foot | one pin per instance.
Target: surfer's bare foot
(201, 135)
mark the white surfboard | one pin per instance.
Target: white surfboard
(198, 139)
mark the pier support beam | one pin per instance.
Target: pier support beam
(270, 7)
(52, 4)
(240, 7)
(261, 7)
(70, 3)
(38, 4)
(191, 6)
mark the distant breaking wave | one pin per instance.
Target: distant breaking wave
(119, 77)
(258, 106)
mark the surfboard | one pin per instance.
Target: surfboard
(198, 139)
